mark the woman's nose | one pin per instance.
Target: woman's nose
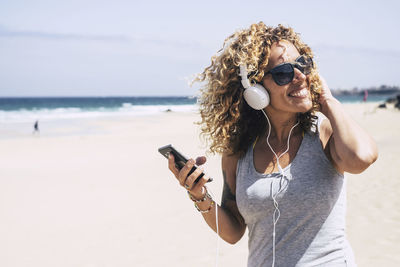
(298, 76)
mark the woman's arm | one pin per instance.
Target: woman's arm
(350, 147)
(231, 225)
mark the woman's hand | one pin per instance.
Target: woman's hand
(231, 225)
(197, 190)
(325, 94)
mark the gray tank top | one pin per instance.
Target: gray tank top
(312, 205)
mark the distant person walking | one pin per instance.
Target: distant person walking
(36, 127)
(365, 96)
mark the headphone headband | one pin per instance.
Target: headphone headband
(243, 74)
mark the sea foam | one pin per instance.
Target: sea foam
(126, 109)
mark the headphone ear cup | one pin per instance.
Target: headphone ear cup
(257, 97)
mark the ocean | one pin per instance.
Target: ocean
(30, 109)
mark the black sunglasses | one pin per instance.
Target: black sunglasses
(284, 73)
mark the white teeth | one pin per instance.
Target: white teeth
(302, 92)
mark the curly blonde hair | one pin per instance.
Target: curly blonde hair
(227, 121)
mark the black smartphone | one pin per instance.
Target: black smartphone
(180, 160)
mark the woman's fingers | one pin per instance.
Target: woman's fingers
(186, 180)
(325, 93)
(183, 174)
(197, 189)
(190, 180)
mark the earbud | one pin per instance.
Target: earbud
(255, 95)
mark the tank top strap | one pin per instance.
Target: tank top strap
(255, 142)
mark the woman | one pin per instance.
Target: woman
(282, 162)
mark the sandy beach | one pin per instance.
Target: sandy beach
(96, 192)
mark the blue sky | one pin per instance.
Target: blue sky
(104, 48)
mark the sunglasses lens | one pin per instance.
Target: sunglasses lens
(302, 60)
(304, 64)
(283, 74)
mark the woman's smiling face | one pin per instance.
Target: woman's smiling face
(294, 96)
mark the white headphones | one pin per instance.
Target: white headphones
(255, 95)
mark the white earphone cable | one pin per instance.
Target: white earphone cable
(217, 228)
(277, 213)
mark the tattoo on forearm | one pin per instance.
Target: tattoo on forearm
(227, 194)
